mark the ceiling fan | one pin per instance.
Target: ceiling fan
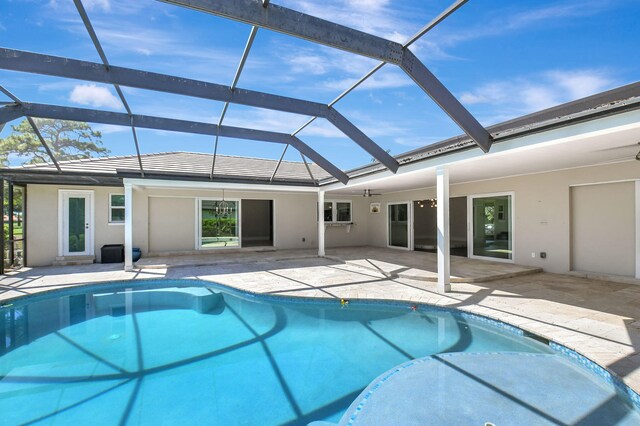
(367, 193)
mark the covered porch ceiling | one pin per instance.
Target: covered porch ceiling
(607, 140)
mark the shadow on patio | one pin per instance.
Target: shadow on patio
(597, 318)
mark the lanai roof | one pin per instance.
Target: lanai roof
(197, 166)
(318, 170)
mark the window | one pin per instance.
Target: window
(116, 208)
(337, 211)
(219, 223)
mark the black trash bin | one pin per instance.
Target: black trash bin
(112, 253)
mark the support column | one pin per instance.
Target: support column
(638, 229)
(128, 227)
(321, 223)
(444, 253)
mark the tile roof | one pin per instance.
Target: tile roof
(189, 163)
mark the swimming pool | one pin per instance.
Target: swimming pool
(170, 352)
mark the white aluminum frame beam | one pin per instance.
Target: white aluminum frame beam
(304, 160)
(19, 106)
(10, 112)
(441, 17)
(105, 61)
(234, 83)
(170, 124)
(16, 60)
(317, 30)
(297, 24)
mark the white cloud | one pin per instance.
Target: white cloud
(96, 96)
(262, 119)
(308, 64)
(381, 80)
(65, 8)
(581, 83)
(382, 18)
(335, 70)
(522, 95)
(104, 5)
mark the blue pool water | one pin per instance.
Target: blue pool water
(174, 352)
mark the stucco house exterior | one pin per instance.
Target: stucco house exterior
(560, 189)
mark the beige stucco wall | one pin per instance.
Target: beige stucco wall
(171, 223)
(164, 220)
(602, 225)
(294, 216)
(541, 205)
(42, 221)
(541, 209)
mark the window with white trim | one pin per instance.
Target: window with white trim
(337, 211)
(116, 208)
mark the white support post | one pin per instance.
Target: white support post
(444, 256)
(638, 229)
(128, 227)
(321, 223)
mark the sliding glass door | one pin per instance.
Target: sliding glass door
(492, 223)
(398, 222)
(219, 224)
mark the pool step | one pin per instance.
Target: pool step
(73, 260)
(198, 299)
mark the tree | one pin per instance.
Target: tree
(68, 140)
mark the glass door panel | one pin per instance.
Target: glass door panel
(219, 224)
(77, 231)
(328, 212)
(76, 223)
(398, 215)
(13, 208)
(492, 227)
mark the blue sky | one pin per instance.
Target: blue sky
(501, 59)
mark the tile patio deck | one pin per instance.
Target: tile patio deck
(389, 262)
(599, 319)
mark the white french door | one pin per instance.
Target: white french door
(75, 227)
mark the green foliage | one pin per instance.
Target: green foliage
(76, 243)
(222, 227)
(17, 199)
(489, 213)
(68, 140)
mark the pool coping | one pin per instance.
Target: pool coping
(561, 349)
